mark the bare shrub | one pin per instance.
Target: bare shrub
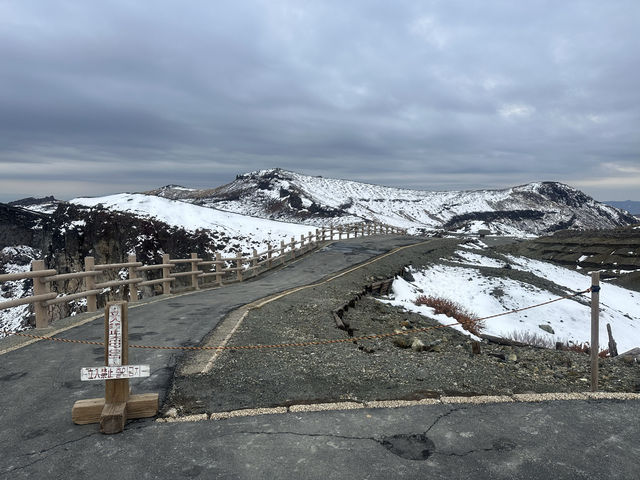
(585, 348)
(532, 338)
(469, 321)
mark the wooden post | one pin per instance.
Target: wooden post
(340, 232)
(613, 347)
(282, 247)
(239, 265)
(269, 257)
(116, 354)
(218, 268)
(293, 248)
(90, 284)
(194, 268)
(349, 227)
(117, 406)
(254, 261)
(133, 289)
(40, 287)
(317, 237)
(595, 325)
(166, 274)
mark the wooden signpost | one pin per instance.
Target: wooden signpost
(113, 411)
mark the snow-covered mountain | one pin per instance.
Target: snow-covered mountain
(532, 209)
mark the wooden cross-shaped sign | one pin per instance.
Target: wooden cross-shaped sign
(118, 405)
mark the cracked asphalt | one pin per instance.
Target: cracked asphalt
(40, 382)
(566, 439)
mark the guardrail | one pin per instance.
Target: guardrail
(218, 271)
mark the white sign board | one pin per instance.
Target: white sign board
(114, 350)
(114, 373)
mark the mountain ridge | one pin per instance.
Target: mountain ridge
(542, 207)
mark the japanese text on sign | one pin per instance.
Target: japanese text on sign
(114, 349)
(114, 373)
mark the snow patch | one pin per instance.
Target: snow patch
(486, 296)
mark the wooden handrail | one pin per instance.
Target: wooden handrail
(16, 302)
(155, 267)
(108, 266)
(272, 256)
(68, 298)
(8, 277)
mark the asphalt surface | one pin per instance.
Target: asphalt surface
(40, 382)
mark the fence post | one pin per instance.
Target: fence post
(239, 265)
(282, 247)
(90, 284)
(595, 325)
(166, 273)
(293, 248)
(254, 261)
(218, 266)
(40, 287)
(194, 268)
(133, 288)
(269, 256)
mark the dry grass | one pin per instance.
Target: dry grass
(544, 341)
(469, 321)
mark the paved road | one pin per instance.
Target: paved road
(39, 384)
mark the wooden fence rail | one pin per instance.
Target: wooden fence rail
(201, 272)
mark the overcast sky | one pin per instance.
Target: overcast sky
(111, 96)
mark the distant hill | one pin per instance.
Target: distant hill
(631, 206)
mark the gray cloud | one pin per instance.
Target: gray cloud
(111, 96)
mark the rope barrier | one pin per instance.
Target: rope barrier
(299, 344)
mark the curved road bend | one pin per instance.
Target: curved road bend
(40, 382)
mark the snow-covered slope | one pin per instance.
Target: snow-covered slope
(481, 284)
(531, 209)
(256, 231)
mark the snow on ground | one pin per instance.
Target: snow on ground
(488, 295)
(193, 217)
(13, 319)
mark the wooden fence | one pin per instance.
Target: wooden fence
(199, 272)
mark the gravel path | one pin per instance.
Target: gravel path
(379, 369)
